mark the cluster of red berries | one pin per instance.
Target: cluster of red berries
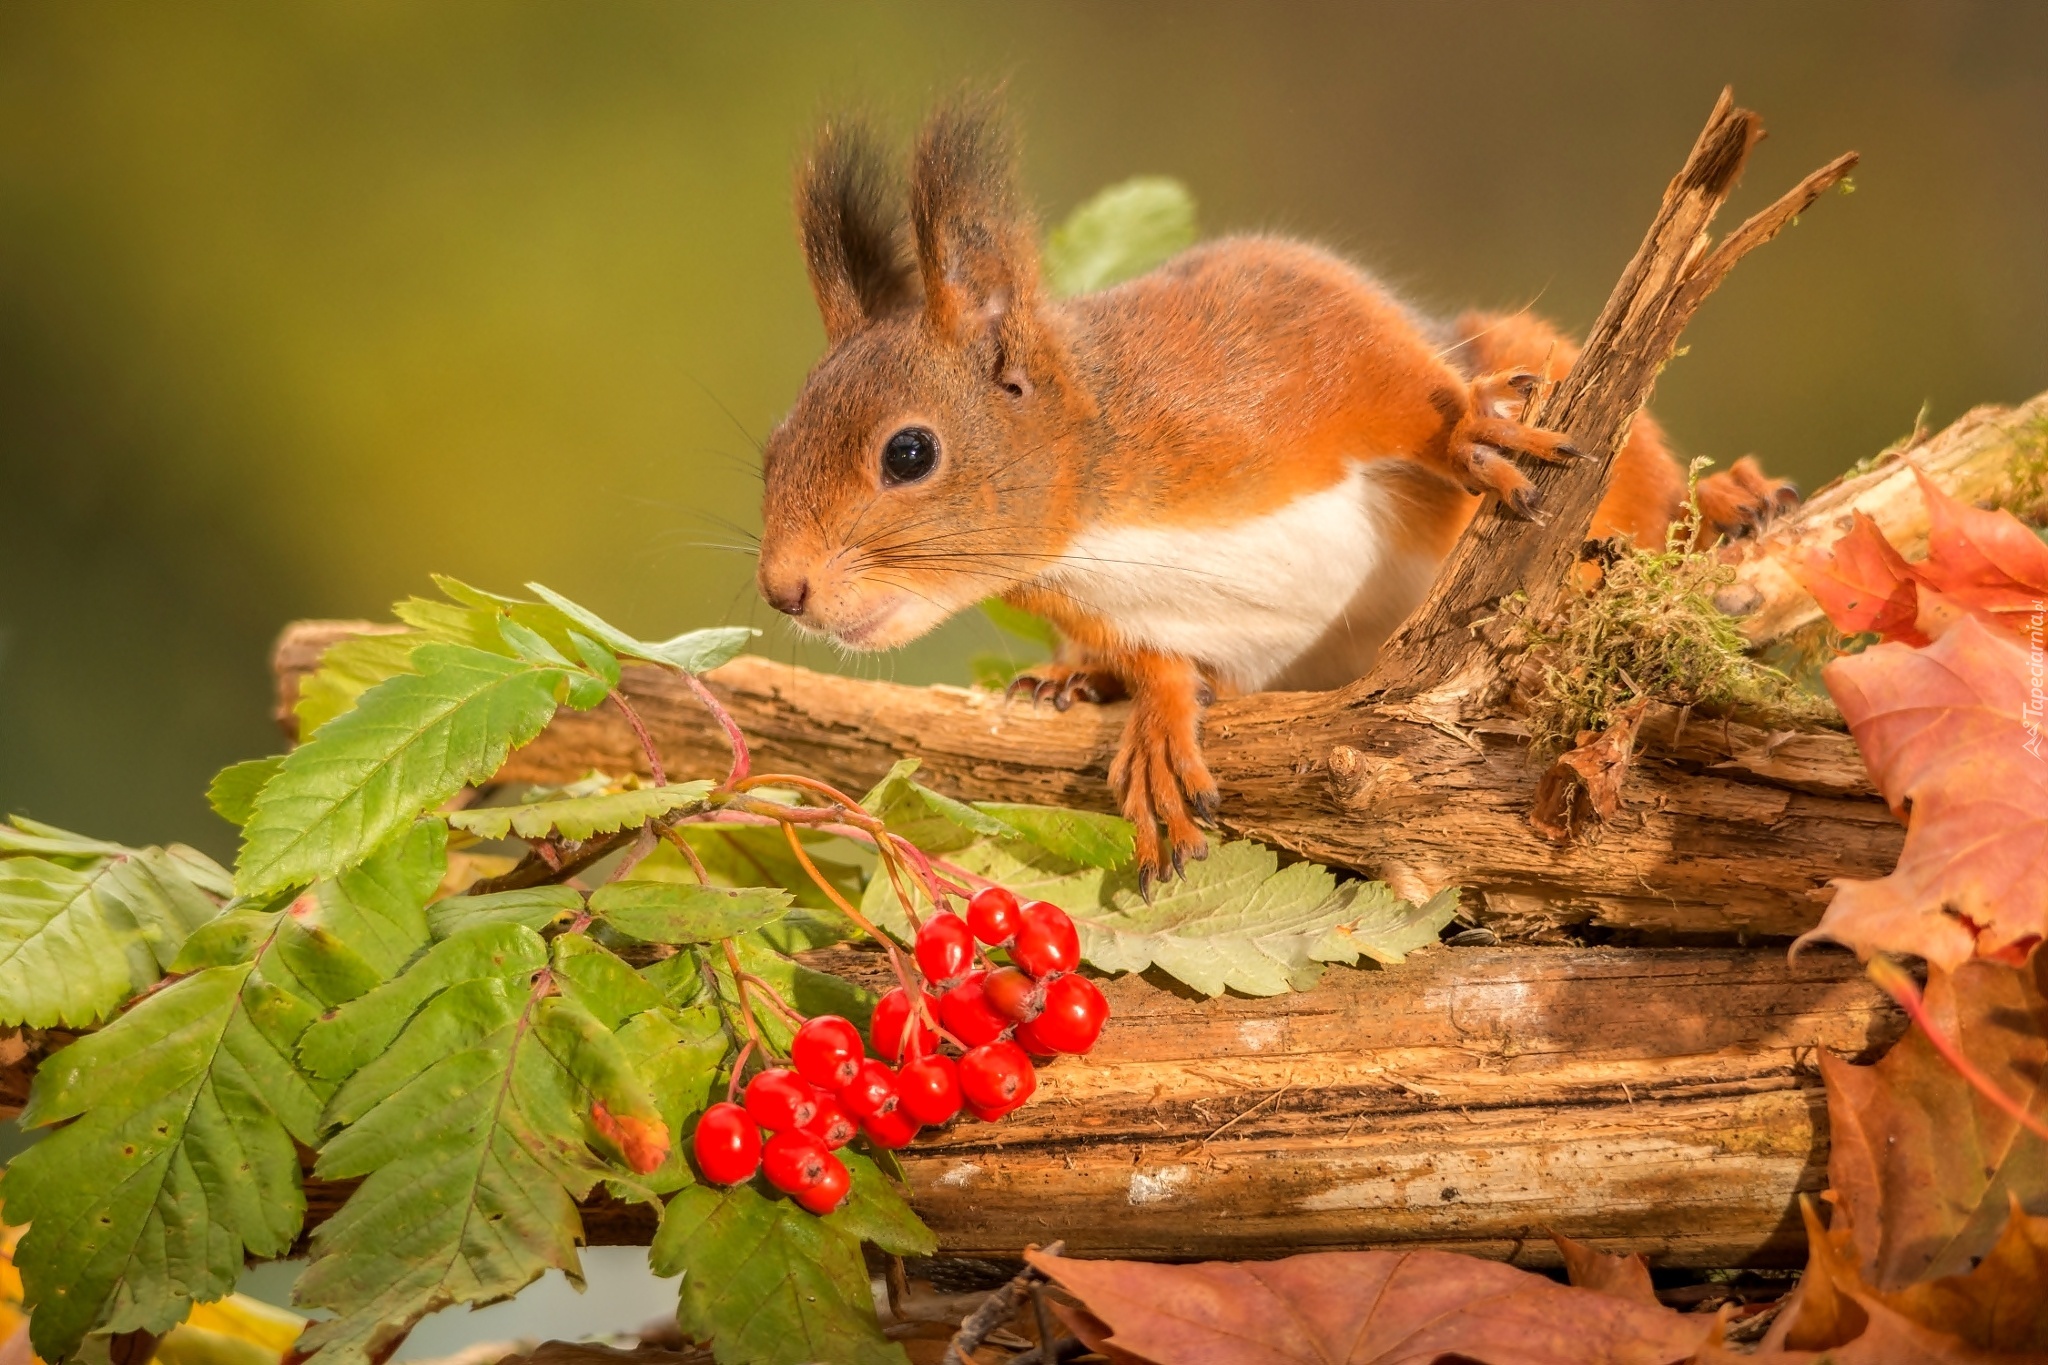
(1001, 1018)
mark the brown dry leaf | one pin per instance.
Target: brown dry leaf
(1863, 584)
(2002, 1304)
(1367, 1308)
(1625, 1277)
(1823, 1310)
(1890, 1339)
(1922, 1165)
(1946, 735)
(1584, 784)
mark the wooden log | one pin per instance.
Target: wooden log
(1655, 1100)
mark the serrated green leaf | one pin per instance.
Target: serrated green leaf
(752, 855)
(695, 651)
(232, 793)
(680, 1053)
(583, 816)
(766, 1283)
(935, 823)
(1236, 921)
(811, 992)
(1079, 836)
(180, 1162)
(600, 981)
(1122, 232)
(21, 835)
(474, 626)
(346, 1040)
(669, 912)
(531, 645)
(412, 742)
(76, 941)
(596, 657)
(473, 1138)
(378, 908)
(877, 1212)
(535, 907)
(348, 669)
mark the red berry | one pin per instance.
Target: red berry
(778, 1099)
(891, 1130)
(929, 1088)
(830, 1189)
(727, 1144)
(945, 949)
(834, 1126)
(826, 1051)
(992, 915)
(794, 1161)
(991, 1115)
(1046, 943)
(892, 1017)
(1073, 1016)
(872, 1091)
(967, 1014)
(1012, 994)
(1026, 1037)
(996, 1076)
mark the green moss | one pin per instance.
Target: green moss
(2029, 496)
(1651, 629)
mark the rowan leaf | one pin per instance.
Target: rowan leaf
(378, 908)
(1948, 739)
(1123, 231)
(1924, 1166)
(694, 651)
(750, 855)
(670, 912)
(580, 817)
(599, 980)
(84, 930)
(1355, 1307)
(1079, 836)
(876, 1211)
(535, 907)
(1236, 921)
(232, 793)
(347, 1039)
(23, 835)
(411, 742)
(767, 1283)
(179, 1162)
(348, 668)
(933, 822)
(680, 1052)
(473, 1139)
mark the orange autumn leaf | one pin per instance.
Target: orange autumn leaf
(1952, 736)
(1626, 1277)
(1365, 1308)
(1863, 584)
(643, 1141)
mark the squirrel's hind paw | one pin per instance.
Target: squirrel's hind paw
(1165, 787)
(1741, 501)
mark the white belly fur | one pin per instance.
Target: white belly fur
(1321, 574)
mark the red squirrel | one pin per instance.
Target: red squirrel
(1238, 472)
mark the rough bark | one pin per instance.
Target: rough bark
(1673, 271)
(1654, 1100)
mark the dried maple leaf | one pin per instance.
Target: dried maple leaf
(1921, 1164)
(1625, 1277)
(1946, 734)
(1366, 1308)
(1888, 1338)
(1863, 584)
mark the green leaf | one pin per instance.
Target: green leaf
(600, 981)
(379, 907)
(752, 855)
(348, 669)
(1236, 921)
(877, 1212)
(180, 1162)
(535, 907)
(411, 743)
(680, 1052)
(669, 912)
(696, 651)
(1079, 836)
(350, 1038)
(473, 1137)
(78, 938)
(596, 657)
(766, 1283)
(935, 823)
(1122, 232)
(232, 794)
(581, 817)
(811, 992)
(22, 835)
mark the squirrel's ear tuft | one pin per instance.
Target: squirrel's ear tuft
(849, 210)
(975, 247)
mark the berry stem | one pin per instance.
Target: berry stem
(670, 833)
(654, 768)
(739, 981)
(905, 976)
(742, 758)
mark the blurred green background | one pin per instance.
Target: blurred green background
(299, 302)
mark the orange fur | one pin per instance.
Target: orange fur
(1256, 394)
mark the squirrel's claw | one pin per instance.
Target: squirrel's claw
(1741, 501)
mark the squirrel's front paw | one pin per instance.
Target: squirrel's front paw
(1065, 684)
(1164, 783)
(1741, 501)
(1482, 446)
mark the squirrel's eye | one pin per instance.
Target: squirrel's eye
(910, 454)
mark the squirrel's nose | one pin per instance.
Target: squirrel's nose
(787, 596)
